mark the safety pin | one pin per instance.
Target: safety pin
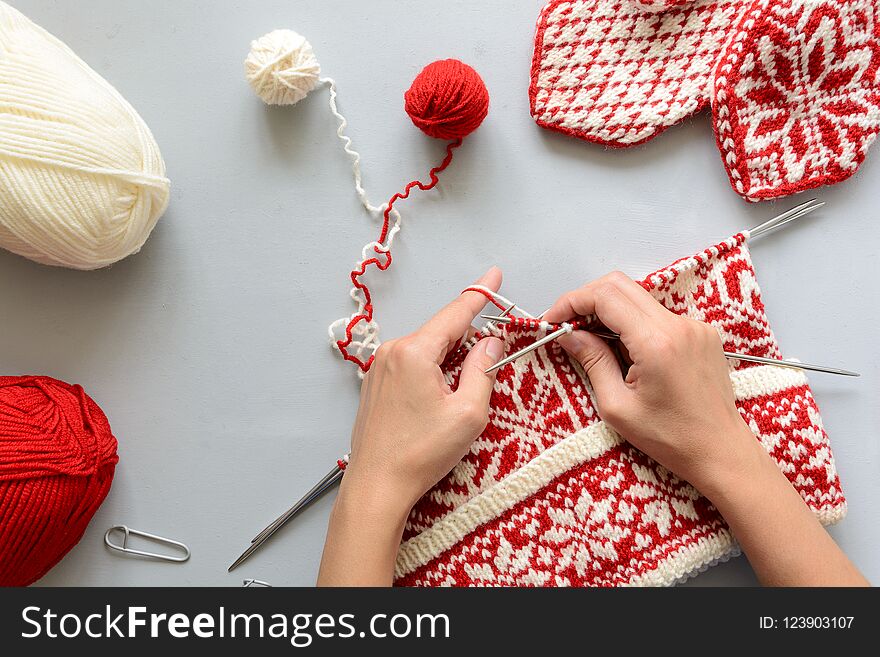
(126, 532)
(255, 583)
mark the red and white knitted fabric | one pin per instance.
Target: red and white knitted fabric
(797, 95)
(794, 84)
(610, 72)
(660, 5)
(550, 496)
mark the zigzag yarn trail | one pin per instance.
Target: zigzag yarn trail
(383, 258)
(447, 100)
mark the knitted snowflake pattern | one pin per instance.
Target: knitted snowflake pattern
(797, 95)
(793, 84)
(549, 495)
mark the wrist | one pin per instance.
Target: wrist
(741, 467)
(371, 500)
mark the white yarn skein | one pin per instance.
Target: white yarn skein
(282, 68)
(82, 182)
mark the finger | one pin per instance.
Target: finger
(600, 364)
(453, 321)
(474, 385)
(637, 294)
(604, 300)
(629, 288)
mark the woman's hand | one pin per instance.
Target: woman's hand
(411, 430)
(676, 402)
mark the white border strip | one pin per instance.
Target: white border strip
(691, 560)
(586, 444)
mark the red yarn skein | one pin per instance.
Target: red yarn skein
(447, 100)
(57, 459)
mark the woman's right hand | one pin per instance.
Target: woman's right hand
(676, 402)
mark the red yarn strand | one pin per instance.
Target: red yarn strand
(447, 100)
(383, 258)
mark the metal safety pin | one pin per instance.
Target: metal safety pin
(126, 532)
(797, 365)
(327, 482)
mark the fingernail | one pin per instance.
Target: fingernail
(494, 349)
(488, 272)
(574, 341)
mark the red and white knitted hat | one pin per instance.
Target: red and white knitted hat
(549, 495)
(794, 84)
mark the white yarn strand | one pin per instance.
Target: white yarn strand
(366, 334)
(282, 70)
(353, 154)
(82, 182)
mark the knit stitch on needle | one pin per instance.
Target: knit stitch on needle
(549, 495)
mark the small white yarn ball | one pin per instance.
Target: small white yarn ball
(282, 68)
(82, 182)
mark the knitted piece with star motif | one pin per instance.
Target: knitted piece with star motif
(793, 84)
(549, 495)
(797, 95)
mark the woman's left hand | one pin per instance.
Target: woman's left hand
(411, 430)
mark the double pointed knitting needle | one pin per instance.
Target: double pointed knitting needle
(535, 345)
(795, 213)
(614, 336)
(331, 479)
(316, 491)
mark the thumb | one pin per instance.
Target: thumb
(474, 384)
(598, 361)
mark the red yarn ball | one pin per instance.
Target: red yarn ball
(448, 100)
(57, 458)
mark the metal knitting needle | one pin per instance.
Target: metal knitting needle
(316, 491)
(535, 345)
(795, 213)
(332, 478)
(608, 335)
(796, 365)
